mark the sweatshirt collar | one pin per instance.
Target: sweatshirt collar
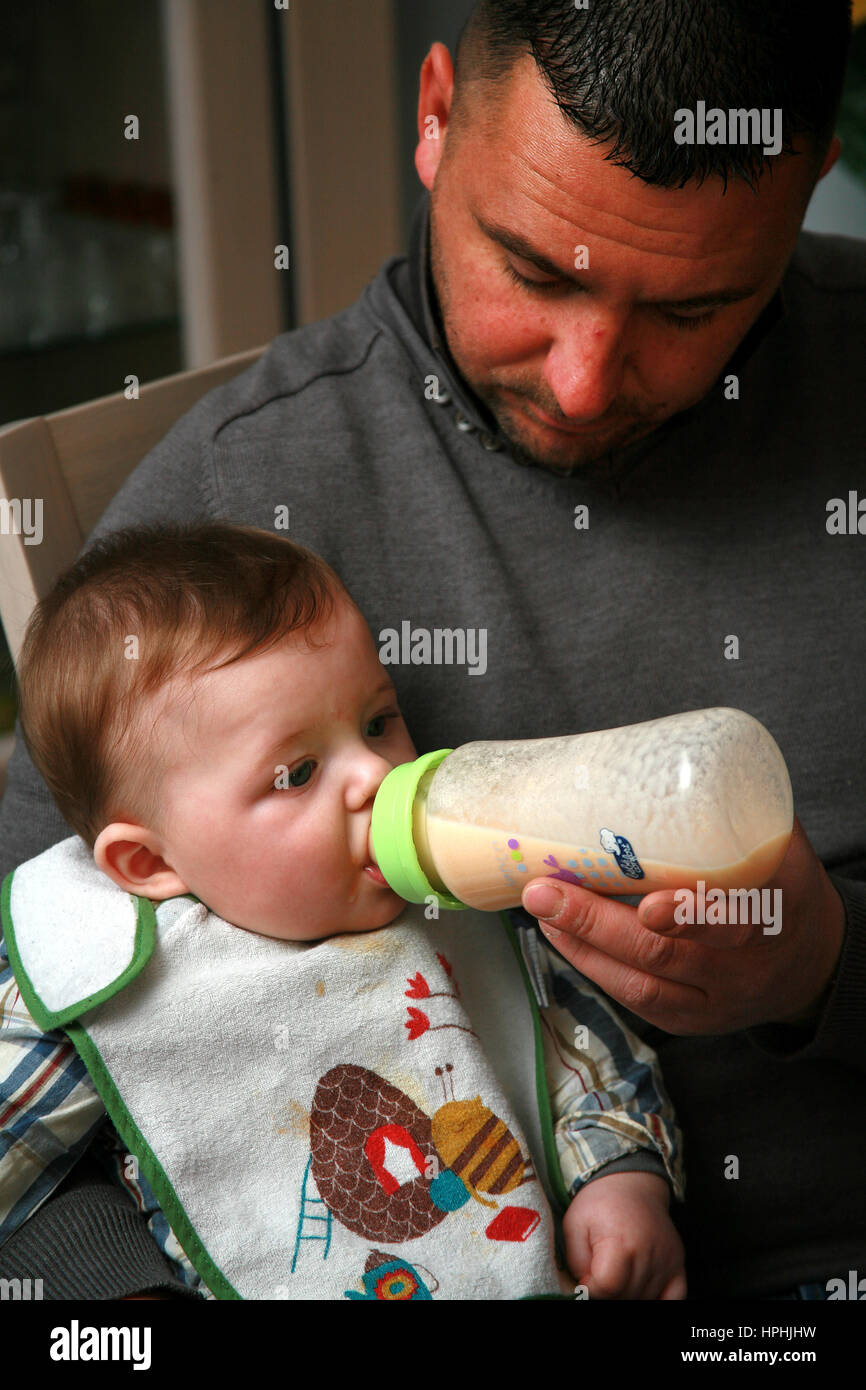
(470, 413)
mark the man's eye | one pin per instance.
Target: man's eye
(525, 283)
(687, 321)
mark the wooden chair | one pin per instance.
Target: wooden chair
(75, 461)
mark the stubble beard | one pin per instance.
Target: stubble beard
(585, 454)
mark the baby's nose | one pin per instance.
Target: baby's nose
(367, 777)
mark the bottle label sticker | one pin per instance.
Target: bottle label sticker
(621, 849)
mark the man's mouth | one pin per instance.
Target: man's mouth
(552, 424)
(535, 412)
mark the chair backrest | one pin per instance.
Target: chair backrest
(72, 463)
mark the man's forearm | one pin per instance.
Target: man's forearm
(835, 1027)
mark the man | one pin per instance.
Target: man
(607, 430)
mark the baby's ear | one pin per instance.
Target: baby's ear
(131, 857)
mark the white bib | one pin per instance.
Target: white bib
(351, 1118)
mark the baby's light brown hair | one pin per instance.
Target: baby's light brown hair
(196, 597)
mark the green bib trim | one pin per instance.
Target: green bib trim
(145, 939)
(139, 1148)
(554, 1173)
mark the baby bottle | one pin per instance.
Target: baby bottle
(699, 796)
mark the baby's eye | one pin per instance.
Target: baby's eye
(302, 773)
(376, 727)
(298, 776)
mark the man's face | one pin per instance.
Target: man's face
(581, 361)
(285, 861)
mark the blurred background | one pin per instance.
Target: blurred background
(153, 154)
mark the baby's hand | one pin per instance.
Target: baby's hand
(620, 1241)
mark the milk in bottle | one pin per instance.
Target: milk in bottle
(662, 804)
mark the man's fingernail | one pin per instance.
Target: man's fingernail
(542, 900)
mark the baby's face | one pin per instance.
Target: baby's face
(269, 787)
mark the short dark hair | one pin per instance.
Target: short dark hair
(619, 69)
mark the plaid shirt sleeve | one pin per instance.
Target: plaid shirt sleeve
(607, 1096)
(50, 1112)
(49, 1108)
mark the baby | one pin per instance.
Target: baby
(208, 708)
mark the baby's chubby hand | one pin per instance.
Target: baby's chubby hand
(620, 1240)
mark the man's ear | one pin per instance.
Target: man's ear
(435, 93)
(833, 152)
(131, 856)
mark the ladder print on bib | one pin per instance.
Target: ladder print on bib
(306, 1216)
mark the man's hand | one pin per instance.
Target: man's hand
(620, 1241)
(705, 979)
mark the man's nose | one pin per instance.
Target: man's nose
(584, 367)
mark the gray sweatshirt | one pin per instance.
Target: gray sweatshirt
(714, 526)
